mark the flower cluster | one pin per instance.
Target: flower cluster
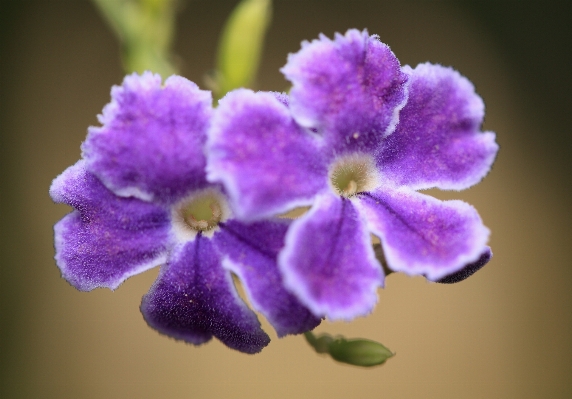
(355, 140)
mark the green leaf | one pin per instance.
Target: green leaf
(241, 45)
(357, 352)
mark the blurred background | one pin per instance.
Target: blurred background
(504, 333)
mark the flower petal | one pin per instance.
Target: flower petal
(151, 143)
(252, 250)
(468, 270)
(267, 163)
(107, 238)
(437, 142)
(194, 298)
(350, 88)
(422, 235)
(329, 263)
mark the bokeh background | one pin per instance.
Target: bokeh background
(504, 333)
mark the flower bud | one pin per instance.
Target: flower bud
(357, 352)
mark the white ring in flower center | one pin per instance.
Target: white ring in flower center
(200, 212)
(352, 174)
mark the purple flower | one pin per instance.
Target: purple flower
(141, 199)
(356, 139)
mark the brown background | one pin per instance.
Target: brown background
(504, 333)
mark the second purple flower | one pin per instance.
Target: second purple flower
(356, 139)
(141, 199)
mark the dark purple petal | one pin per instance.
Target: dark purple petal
(107, 238)
(151, 142)
(422, 235)
(251, 251)
(350, 89)
(194, 299)
(468, 270)
(329, 263)
(267, 163)
(437, 142)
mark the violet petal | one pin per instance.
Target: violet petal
(107, 238)
(267, 163)
(194, 298)
(151, 142)
(422, 235)
(468, 270)
(350, 89)
(251, 251)
(329, 263)
(438, 142)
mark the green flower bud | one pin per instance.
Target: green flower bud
(357, 352)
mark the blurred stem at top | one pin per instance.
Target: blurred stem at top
(145, 29)
(240, 46)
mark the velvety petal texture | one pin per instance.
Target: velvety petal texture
(329, 263)
(350, 89)
(194, 298)
(267, 162)
(106, 239)
(438, 142)
(250, 252)
(151, 143)
(468, 270)
(423, 235)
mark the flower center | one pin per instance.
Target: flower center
(352, 174)
(200, 212)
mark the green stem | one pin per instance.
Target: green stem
(240, 46)
(145, 29)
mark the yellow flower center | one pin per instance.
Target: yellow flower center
(352, 174)
(201, 212)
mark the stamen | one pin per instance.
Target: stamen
(216, 210)
(196, 224)
(351, 188)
